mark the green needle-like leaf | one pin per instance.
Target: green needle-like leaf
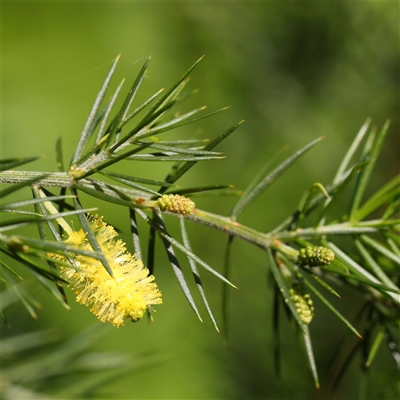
(161, 105)
(91, 237)
(88, 128)
(130, 182)
(151, 246)
(310, 355)
(244, 202)
(116, 176)
(183, 142)
(43, 235)
(351, 277)
(381, 249)
(117, 196)
(316, 201)
(325, 285)
(306, 202)
(198, 189)
(195, 272)
(229, 192)
(112, 159)
(352, 149)
(337, 192)
(179, 246)
(393, 241)
(171, 123)
(177, 173)
(393, 208)
(365, 175)
(258, 178)
(59, 155)
(135, 233)
(169, 91)
(375, 346)
(11, 346)
(10, 270)
(375, 267)
(280, 281)
(7, 191)
(158, 157)
(29, 202)
(33, 263)
(141, 129)
(386, 194)
(14, 224)
(180, 121)
(335, 229)
(40, 207)
(177, 270)
(11, 163)
(128, 101)
(393, 345)
(140, 108)
(16, 242)
(19, 212)
(225, 290)
(101, 133)
(54, 363)
(332, 308)
(17, 291)
(178, 150)
(358, 269)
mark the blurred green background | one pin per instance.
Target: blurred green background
(296, 71)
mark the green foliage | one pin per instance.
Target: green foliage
(368, 264)
(36, 365)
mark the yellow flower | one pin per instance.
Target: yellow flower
(128, 294)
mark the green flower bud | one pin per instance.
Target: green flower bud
(303, 304)
(315, 256)
(176, 204)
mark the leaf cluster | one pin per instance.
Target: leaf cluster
(369, 266)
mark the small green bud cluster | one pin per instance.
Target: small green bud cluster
(176, 204)
(303, 304)
(315, 256)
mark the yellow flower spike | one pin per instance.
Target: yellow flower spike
(127, 294)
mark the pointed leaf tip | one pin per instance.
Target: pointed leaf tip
(198, 60)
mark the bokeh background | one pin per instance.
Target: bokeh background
(296, 71)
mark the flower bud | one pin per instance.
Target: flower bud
(303, 304)
(315, 256)
(176, 204)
